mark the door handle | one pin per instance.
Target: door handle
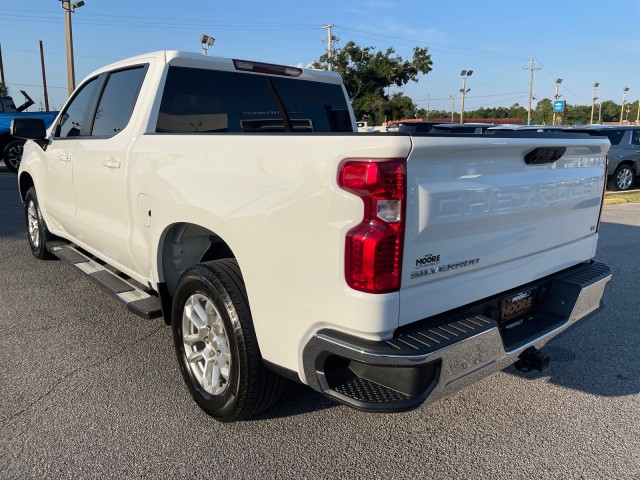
(111, 163)
(64, 157)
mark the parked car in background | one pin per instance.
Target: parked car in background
(477, 128)
(529, 128)
(11, 147)
(624, 154)
(420, 127)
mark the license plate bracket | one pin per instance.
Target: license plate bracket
(518, 305)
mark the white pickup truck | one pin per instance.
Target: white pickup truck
(236, 200)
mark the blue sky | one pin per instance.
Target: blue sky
(581, 41)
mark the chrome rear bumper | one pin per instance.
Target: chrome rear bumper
(436, 358)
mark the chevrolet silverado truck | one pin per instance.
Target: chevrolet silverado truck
(236, 200)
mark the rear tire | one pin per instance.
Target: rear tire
(623, 178)
(216, 344)
(37, 232)
(12, 155)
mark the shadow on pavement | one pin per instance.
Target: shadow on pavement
(600, 355)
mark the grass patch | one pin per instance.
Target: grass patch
(622, 198)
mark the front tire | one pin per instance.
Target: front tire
(216, 345)
(37, 231)
(623, 178)
(12, 155)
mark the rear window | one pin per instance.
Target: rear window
(198, 100)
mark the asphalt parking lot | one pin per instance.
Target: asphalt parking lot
(88, 390)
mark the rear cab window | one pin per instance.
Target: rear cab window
(210, 101)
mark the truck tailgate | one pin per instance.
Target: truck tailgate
(481, 220)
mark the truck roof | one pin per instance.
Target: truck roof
(197, 60)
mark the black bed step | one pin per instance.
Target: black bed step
(137, 300)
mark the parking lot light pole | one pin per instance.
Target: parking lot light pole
(206, 41)
(69, 8)
(464, 90)
(593, 100)
(600, 112)
(624, 97)
(555, 98)
(638, 114)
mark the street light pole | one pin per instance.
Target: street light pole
(69, 8)
(624, 97)
(638, 115)
(206, 41)
(555, 98)
(464, 74)
(593, 100)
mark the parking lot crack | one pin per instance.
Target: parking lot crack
(70, 374)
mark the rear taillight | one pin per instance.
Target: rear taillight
(373, 255)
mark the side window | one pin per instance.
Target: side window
(635, 137)
(615, 136)
(72, 119)
(117, 101)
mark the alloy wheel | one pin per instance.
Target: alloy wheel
(206, 344)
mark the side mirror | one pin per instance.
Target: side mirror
(28, 128)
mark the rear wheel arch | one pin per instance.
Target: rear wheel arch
(185, 244)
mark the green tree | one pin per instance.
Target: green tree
(4, 90)
(579, 115)
(368, 73)
(543, 113)
(401, 106)
(610, 111)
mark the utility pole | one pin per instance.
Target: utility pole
(1, 67)
(593, 101)
(44, 78)
(600, 112)
(531, 68)
(71, 74)
(428, 105)
(464, 90)
(624, 97)
(453, 105)
(328, 28)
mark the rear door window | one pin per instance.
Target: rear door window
(198, 100)
(635, 137)
(117, 101)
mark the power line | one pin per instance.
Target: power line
(33, 85)
(444, 47)
(477, 96)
